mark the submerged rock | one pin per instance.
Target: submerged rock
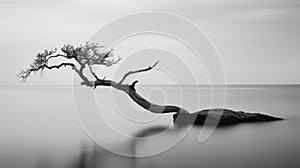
(225, 117)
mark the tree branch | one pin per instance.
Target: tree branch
(60, 65)
(137, 71)
(92, 72)
(26, 73)
(55, 56)
(85, 55)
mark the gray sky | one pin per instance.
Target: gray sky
(257, 40)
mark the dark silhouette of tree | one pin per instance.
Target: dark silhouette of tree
(86, 57)
(89, 55)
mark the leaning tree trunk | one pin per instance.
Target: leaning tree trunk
(131, 91)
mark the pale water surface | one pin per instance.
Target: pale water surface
(39, 128)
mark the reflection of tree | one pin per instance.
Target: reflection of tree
(94, 156)
(88, 158)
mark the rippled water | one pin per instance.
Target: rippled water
(40, 128)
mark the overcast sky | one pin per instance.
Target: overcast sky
(257, 40)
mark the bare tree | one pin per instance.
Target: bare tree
(86, 57)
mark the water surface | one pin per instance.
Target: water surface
(40, 128)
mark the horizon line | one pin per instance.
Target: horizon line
(170, 85)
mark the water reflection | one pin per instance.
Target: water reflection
(92, 155)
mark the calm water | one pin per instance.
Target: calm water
(40, 128)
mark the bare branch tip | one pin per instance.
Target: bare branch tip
(133, 84)
(156, 63)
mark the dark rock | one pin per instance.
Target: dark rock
(225, 116)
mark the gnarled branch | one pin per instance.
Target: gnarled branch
(26, 73)
(137, 71)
